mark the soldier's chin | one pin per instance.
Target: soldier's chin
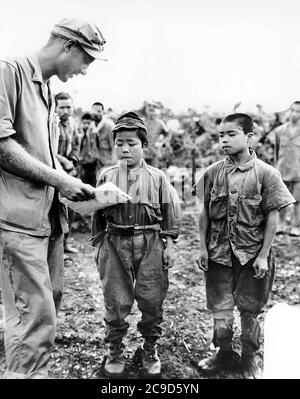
(63, 78)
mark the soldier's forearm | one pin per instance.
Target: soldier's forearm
(17, 161)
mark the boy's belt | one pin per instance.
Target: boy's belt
(124, 230)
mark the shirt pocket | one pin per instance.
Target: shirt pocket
(218, 205)
(250, 212)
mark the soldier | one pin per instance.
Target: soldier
(85, 164)
(100, 140)
(32, 219)
(156, 127)
(67, 152)
(287, 154)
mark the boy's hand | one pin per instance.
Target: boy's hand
(168, 258)
(202, 260)
(260, 267)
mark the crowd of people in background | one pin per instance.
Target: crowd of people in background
(184, 139)
(179, 144)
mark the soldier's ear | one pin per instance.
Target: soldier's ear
(68, 45)
(145, 146)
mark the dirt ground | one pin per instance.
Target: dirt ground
(79, 345)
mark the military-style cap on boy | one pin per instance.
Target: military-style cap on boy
(130, 120)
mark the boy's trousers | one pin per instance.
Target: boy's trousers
(131, 267)
(227, 287)
(31, 276)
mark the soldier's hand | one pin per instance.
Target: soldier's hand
(260, 267)
(74, 189)
(202, 260)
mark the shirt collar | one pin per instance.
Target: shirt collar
(231, 166)
(37, 72)
(141, 166)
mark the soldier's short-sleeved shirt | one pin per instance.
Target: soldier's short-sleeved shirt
(238, 199)
(27, 115)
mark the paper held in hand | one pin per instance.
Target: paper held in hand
(108, 194)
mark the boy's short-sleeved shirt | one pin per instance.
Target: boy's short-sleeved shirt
(238, 199)
(154, 200)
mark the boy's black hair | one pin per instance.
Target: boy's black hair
(243, 120)
(141, 134)
(86, 116)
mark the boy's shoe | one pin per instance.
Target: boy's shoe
(222, 360)
(150, 361)
(114, 364)
(250, 366)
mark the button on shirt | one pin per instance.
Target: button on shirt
(238, 199)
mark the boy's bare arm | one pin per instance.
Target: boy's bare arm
(261, 263)
(202, 259)
(17, 161)
(169, 255)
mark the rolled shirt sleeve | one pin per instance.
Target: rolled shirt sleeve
(9, 88)
(275, 194)
(170, 209)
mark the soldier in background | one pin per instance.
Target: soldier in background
(86, 165)
(156, 127)
(98, 149)
(287, 158)
(67, 153)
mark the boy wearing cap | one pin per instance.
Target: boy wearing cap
(32, 219)
(134, 246)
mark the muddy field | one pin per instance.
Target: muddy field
(79, 346)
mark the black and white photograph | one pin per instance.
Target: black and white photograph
(150, 192)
